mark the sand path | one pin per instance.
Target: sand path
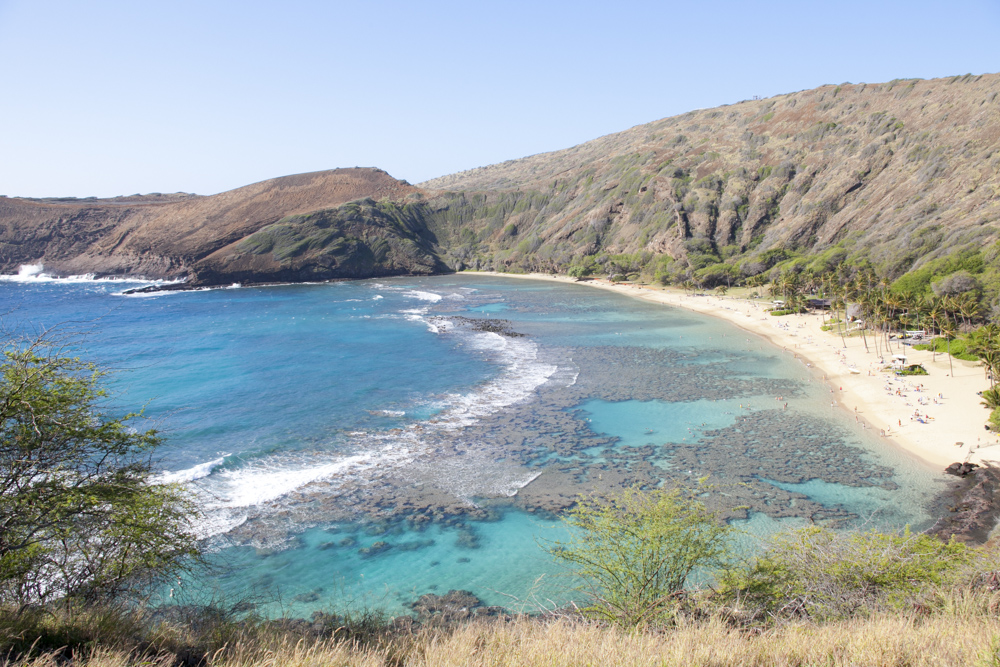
(951, 419)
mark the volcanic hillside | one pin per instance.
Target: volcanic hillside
(901, 173)
(171, 236)
(905, 175)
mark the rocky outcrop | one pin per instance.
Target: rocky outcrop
(973, 506)
(289, 229)
(453, 607)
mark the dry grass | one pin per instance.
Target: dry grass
(942, 640)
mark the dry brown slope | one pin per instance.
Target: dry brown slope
(173, 238)
(907, 169)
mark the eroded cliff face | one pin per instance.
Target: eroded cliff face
(898, 173)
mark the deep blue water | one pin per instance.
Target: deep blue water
(356, 443)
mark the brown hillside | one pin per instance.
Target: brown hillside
(906, 170)
(172, 238)
(898, 174)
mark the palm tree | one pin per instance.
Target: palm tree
(935, 313)
(990, 358)
(790, 284)
(861, 295)
(984, 342)
(968, 308)
(837, 302)
(948, 329)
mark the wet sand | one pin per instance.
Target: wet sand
(951, 419)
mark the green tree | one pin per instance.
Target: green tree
(80, 516)
(635, 552)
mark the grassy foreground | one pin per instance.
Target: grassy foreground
(964, 631)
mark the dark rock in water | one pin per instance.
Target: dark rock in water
(484, 324)
(375, 549)
(311, 596)
(975, 507)
(467, 539)
(961, 469)
(451, 607)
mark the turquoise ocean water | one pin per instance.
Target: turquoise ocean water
(368, 442)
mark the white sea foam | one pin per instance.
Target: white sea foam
(230, 496)
(423, 296)
(418, 315)
(262, 483)
(162, 292)
(190, 474)
(35, 273)
(523, 373)
(390, 413)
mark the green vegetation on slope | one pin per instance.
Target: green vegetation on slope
(902, 178)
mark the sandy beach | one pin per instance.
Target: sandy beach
(936, 417)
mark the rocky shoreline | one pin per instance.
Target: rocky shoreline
(972, 506)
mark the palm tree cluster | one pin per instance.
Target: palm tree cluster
(984, 342)
(879, 310)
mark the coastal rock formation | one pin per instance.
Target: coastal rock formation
(900, 173)
(454, 606)
(973, 509)
(290, 229)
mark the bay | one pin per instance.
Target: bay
(364, 443)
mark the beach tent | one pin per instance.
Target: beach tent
(899, 360)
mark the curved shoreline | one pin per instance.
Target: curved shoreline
(958, 417)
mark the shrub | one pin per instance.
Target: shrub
(818, 573)
(959, 282)
(635, 552)
(994, 420)
(959, 349)
(991, 398)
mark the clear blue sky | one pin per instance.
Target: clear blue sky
(104, 98)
